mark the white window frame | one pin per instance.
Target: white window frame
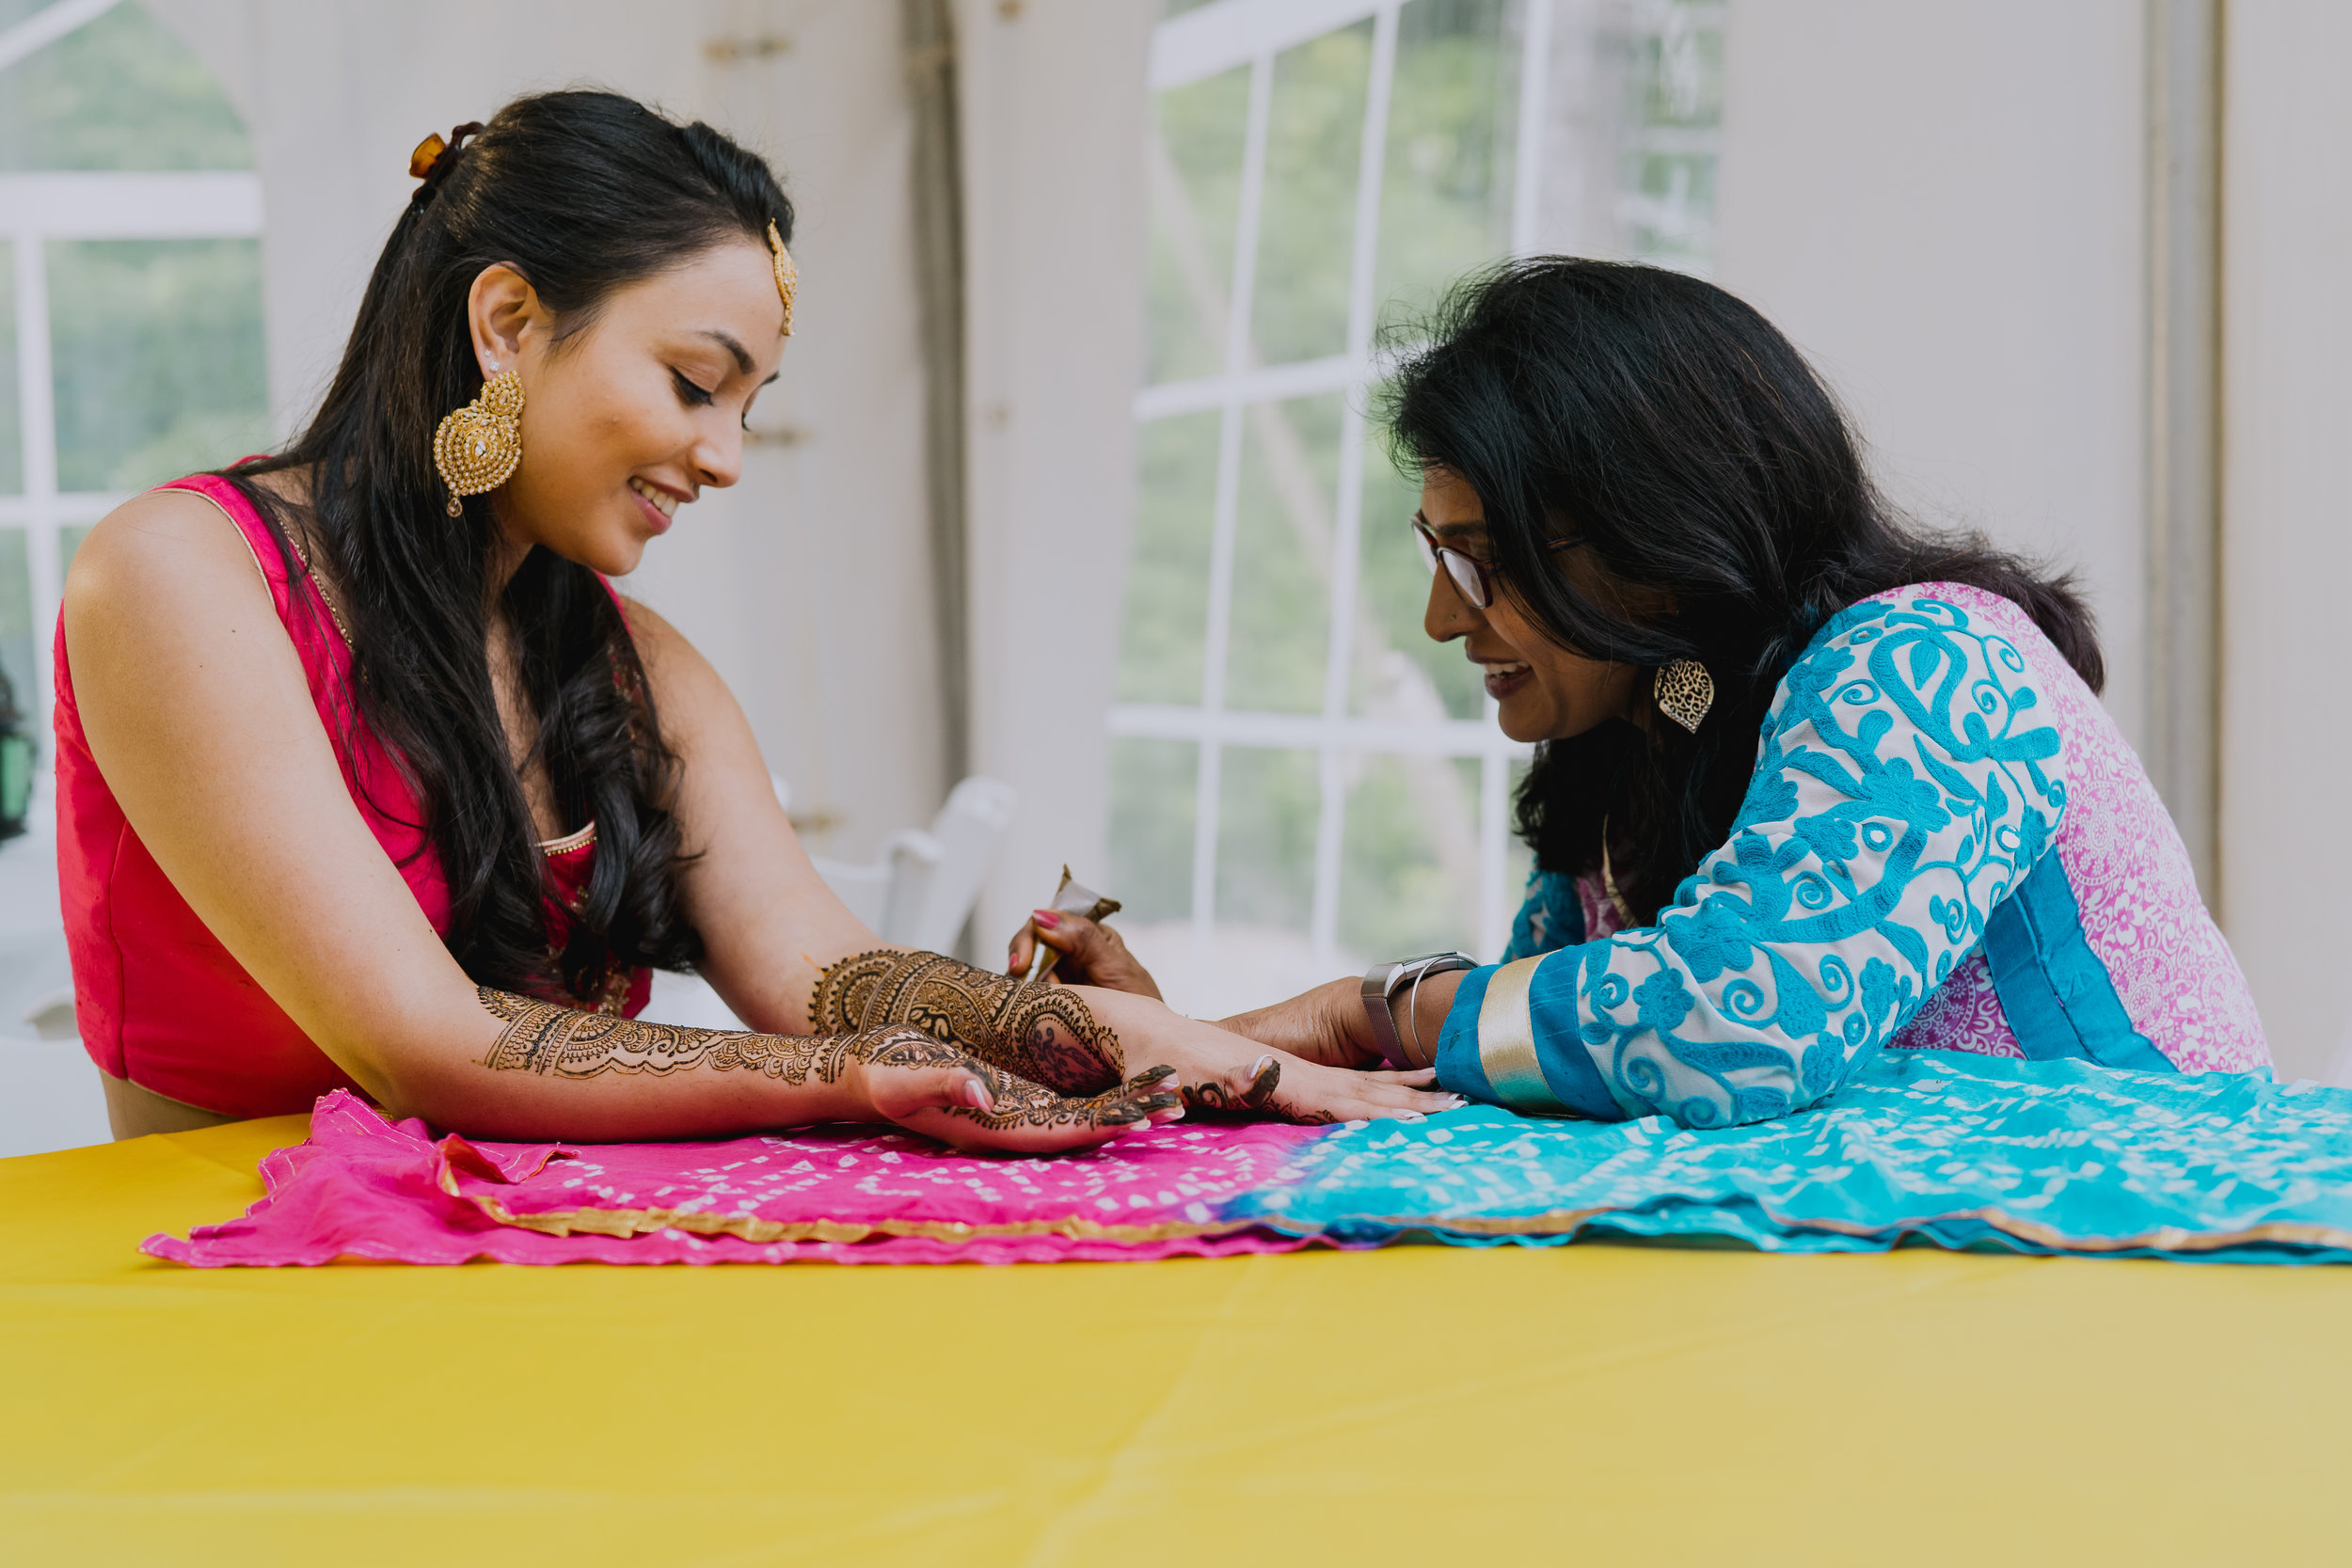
(36, 209)
(1190, 48)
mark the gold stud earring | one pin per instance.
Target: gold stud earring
(787, 276)
(1684, 691)
(477, 445)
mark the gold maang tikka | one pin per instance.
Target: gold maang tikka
(787, 276)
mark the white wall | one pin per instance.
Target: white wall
(1053, 121)
(807, 585)
(2286, 537)
(1945, 207)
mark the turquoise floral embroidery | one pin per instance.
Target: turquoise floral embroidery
(1904, 785)
(1551, 916)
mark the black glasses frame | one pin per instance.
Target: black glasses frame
(1469, 575)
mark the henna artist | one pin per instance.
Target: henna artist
(368, 778)
(1809, 783)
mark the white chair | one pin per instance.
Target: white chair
(922, 886)
(917, 892)
(49, 1092)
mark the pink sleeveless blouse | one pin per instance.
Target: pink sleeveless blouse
(159, 1000)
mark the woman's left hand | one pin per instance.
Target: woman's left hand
(1220, 1069)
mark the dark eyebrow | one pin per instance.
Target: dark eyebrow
(727, 341)
(1474, 525)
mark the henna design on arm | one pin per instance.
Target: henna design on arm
(1045, 1034)
(543, 1038)
(564, 1042)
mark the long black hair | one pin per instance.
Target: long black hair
(1668, 424)
(581, 193)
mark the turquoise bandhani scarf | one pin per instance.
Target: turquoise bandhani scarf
(1960, 1151)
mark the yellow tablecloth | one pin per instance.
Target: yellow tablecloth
(1600, 1405)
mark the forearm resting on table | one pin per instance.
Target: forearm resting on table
(518, 1067)
(1330, 1022)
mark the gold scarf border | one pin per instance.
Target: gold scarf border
(626, 1223)
(751, 1227)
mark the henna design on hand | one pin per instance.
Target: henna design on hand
(1257, 1101)
(1021, 1104)
(1045, 1034)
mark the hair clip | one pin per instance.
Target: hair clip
(428, 153)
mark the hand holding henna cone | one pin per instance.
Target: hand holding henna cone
(1045, 1034)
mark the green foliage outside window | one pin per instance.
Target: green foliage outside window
(157, 352)
(117, 93)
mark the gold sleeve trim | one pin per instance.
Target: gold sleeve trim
(1506, 1042)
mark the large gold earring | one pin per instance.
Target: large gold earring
(477, 445)
(1684, 691)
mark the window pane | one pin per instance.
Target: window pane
(1408, 868)
(1267, 809)
(157, 352)
(11, 427)
(1168, 571)
(16, 626)
(1445, 203)
(1153, 784)
(1193, 162)
(1674, 95)
(1399, 673)
(1315, 136)
(1283, 556)
(117, 93)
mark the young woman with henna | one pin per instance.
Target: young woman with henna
(367, 777)
(1807, 783)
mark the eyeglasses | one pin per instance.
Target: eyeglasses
(1470, 575)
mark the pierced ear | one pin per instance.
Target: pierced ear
(501, 310)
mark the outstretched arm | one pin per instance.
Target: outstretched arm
(198, 713)
(787, 955)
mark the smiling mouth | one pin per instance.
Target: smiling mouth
(1504, 676)
(660, 500)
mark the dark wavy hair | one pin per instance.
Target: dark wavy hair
(1667, 423)
(582, 192)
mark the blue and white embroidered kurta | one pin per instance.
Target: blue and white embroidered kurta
(1922, 767)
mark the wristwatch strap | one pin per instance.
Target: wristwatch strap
(1382, 982)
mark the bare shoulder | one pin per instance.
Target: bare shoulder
(668, 656)
(164, 550)
(695, 702)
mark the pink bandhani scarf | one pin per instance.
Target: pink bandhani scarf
(362, 1187)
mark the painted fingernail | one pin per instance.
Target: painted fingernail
(1261, 1063)
(1153, 1075)
(1047, 918)
(976, 1095)
(1412, 1115)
